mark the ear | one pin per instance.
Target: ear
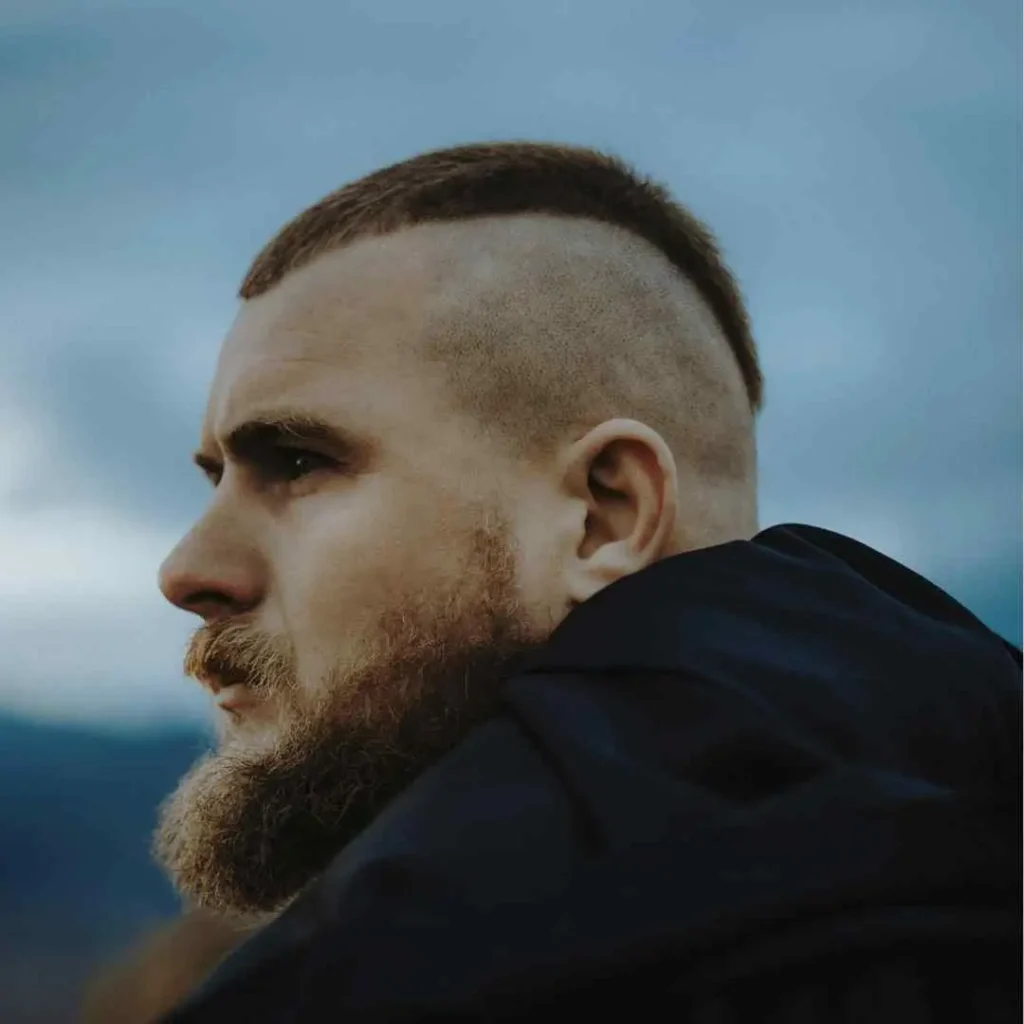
(625, 474)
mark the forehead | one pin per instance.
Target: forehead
(343, 331)
(339, 332)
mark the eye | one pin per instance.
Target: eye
(291, 464)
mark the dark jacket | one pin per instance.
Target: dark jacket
(776, 780)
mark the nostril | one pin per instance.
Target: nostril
(202, 598)
(212, 605)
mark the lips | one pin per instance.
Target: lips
(235, 697)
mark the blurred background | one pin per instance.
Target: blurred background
(859, 159)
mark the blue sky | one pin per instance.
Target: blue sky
(860, 162)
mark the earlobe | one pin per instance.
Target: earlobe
(607, 563)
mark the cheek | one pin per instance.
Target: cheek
(343, 560)
(539, 558)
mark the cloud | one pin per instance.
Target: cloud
(860, 164)
(84, 631)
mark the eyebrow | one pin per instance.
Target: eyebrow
(256, 435)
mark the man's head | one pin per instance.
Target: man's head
(461, 397)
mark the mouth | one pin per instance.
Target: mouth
(235, 698)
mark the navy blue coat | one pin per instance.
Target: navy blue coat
(775, 780)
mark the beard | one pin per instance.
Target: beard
(249, 827)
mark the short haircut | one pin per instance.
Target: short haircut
(520, 386)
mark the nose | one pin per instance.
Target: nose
(212, 577)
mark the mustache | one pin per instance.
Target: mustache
(230, 652)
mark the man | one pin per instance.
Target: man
(522, 714)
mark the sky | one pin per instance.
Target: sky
(859, 161)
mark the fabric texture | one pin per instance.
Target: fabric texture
(774, 780)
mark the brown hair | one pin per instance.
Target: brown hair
(517, 177)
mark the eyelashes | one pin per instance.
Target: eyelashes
(289, 465)
(276, 465)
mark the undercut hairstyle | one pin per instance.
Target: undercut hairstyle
(639, 332)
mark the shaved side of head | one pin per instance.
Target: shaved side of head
(542, 327)
(568, 290)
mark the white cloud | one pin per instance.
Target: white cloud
(84, 630)
(71, 553)
(97, 661)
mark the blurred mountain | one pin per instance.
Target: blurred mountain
(77, 884)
